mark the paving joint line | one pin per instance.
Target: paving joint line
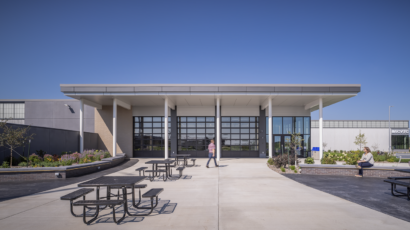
(27, 210)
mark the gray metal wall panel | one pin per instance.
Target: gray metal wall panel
(62, 111)
(66, 89)
(39, 122)
(232, 89)
(68, 124)
(175, 89)
(344, 89)
(90, 89)
(288, 89)
(120, 89)
(57, 141)
(53, 141)
(89, 125)
(72, 141)
(147, 89)
(38, 109)
(315, 89)
(204, 89)
(260, 89)
(89, 112)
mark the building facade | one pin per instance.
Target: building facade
(251, 120)
(244, 120)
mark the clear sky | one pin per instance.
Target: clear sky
(47, 43)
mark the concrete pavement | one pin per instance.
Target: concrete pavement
(241, 194)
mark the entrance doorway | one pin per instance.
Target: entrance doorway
(282, 145)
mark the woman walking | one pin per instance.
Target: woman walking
(211, 148)
(366, 161)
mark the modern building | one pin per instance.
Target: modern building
(245, 120)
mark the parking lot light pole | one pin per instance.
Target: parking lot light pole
(389, 130)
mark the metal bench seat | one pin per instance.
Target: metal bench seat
(394, 183)
(154, 192)
(75, 195)
(399, 178)
(153, 172)
(180, 169)
(97, 203)
(193, 163)
(141, 169)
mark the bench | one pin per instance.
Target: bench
(151, 194)
(400, 183)
(399, 178)
(180, 169)
(193, 163)
(351, 170)
(137, 186)
(151, 178)
(75, 195)
(97, 203)
(141, 169)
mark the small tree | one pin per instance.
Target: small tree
(360, 140)
(295, 142)
(14, 138)
(324, 144)
(375, 147)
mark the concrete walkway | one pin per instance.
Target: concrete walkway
(241, 194)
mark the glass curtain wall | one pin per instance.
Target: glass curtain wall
(149, 134)
(195, 133)
(282, 128)
(240, 133)
(400, 142)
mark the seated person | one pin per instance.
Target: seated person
(366, 161)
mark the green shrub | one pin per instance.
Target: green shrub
(34, 158)
(282, 169)
(296, 171)
(351, 159)
(23, 164)
(292, 167)
(328, 161)
(393, 159)
(5, 164)
(309, 160)
(270, 161)
(107, 154)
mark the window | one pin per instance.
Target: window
(240, 133)
(195, 133)
(149, 133)
(13, 111)
(400, 141)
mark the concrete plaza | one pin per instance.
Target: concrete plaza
(241, 194)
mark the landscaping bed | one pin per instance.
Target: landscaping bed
(61, 172)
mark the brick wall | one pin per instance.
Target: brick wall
(103, 126)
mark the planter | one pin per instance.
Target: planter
(62, 172)
(340, 162)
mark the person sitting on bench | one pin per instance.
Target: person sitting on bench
(366, 161)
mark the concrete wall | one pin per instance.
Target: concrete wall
(103, 126)
(196, 111)
(142, 111)
(53, 141)
(343, 138)
(54, 114)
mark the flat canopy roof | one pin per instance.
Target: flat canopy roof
(205, 94)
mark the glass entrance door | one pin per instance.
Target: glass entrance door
(277, 145)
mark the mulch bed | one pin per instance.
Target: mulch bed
(287, 170)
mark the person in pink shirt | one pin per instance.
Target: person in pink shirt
(211, 149)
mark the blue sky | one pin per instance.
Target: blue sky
(47, 43)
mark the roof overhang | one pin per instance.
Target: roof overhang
(306, 95)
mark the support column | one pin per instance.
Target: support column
(270, 128)
(166, 128)
(218, 129)
(320, 128)
(114, 128)
(81, 126)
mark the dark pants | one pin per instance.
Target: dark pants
(364, 165)
(210, 156)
